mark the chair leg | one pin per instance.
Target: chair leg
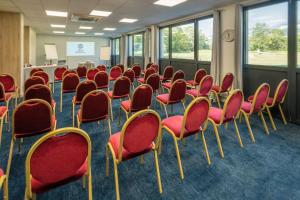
(282, 114)
(249, 127)
(142, 160)
(116, 180)
(109, 127)
(217, 98)
(78, 122)
(90, 184)
(33, 196)
(5, 189)
(73, 111)
(205, 148)
(157, 171)
(111, 112)
(165, 107)
(178, 158)
(1, 127)
(107, 161)
(271, 118)
(83, 181)
(218, 140)
(264, 122)
(10, 157)
(238, 133)
(61, 100)
(183, 105)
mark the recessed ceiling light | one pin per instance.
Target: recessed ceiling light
(169, 3)
(127, 20)
(109, 29)
(98, 33)
(86, 27)
(58, 26)
(80, 33)
(100, 13)
(59, 32)
(56, 13)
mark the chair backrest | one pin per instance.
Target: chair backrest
(227, 82)
(148, 72)
(141, 98)
(281, 91)
(260, 98)
(8, 82)
(155, 67)
(232, 105)
(43, 75)
(121, 87)
(58, 72)
(91, 109)
(177, 91)
(149, 65)
(154, 81)
(122, 67)
(195, 116)
(2, 93)
(115, 72)
(83, 88)
(70, 82)
(101, 79)
(129, 73)
(178, 75)
(35, 70)
(90, 75)
(70, 71)
(168, 72)
(81, 71)
(199, 75)
(39, 92)
(134, 138)
(205, 85)
(33, 80)
(137, 70)
(101, 68)
(32, 117)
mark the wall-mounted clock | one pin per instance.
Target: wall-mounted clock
(228, 35)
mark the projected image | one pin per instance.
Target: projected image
(80, 48)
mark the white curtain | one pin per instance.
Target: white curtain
(215, 70)
(154, 44)
(146, 46)
(238, 67)
(123, 50)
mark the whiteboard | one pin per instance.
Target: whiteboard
(105, 53)
(50, 50)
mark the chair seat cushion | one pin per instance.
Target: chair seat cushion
(114, 140)
(110, 94)
(269, 100)
(12, 89)
(90, 120)
(164, 98)
(3, 110)
(216, 88)
(246, 106)
(112, 79)
(126, 105)
(141, 80)
(193, 92)
(215, 114)
(167, 85)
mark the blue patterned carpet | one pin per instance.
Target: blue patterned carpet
(267, 169)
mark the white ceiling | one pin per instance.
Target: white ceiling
(144, 10)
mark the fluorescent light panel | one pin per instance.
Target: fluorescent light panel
(86, 27)
(58, 32)
(100, 13)
(169, 3)
(58, 26)
(56, 13)
(98, 33)
(109, 29)
(127, 20)
(80, 33)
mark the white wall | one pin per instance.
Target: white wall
(61, 41)
(32, 46)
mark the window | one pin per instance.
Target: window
(205, 35)
(183, 41)
(298, 34)
(130, 50)
(266, 35)
(116, 46)
(164, 42)
(138, 45)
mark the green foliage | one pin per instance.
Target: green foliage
(182, 40)
(203, 41)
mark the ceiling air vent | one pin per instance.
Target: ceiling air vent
(86, 19)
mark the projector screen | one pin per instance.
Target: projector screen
(80, 48)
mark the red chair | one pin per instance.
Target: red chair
(137, 71)
(168, 74)
(197, 79)
(148, 66)
(60, 157)
(68, 85)
(176, 95)
(81, 90)
(33, 80)
(44, 76)
(10, 86)
(121, 66)
(225, 87)
(4, 184)
(204, 88)
(91, 73)
(129, 73)
(121, 90)
(131, 142)
(230, 112)
(4, 113)
(35, 70)
(148, 72)
(81, 71)
(178, 75)
(70, 71)
(154, 81)
(101, 80)
(115, 73)
(101, 68)
(91, 110)
(256, 106)
(41, 121)
(58, 73)
(192, 122)
(155, 67)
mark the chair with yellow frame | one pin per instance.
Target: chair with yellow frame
(44, 171)
(256, 106)
(129, 73)
(197, 79)
(4, 184)
(167, 74)
(224, 88)
(4, 112)
(31, 118)
(230, 112)
(44, 76)
(195, 119)
(35, 69)
(101, 80)
(177, 75)
(131, 142)
(91, 73)
(82, 71)
(10, 86)
(204, 88)
(69, 84)
(148, 72)
(94, 107)
(33, 80)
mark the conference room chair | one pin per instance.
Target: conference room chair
(154, 81)
(129, 73)
(82, 89)
(68, 85)
(58, 158)
(101, 80)
(148, 72)
(204, 89)
(168, 74)
(33, 80)
(58, 74)
(137, 71)
(193, 121)
(4, 112)
(44, 76)
(225, 87)
(178, 75)
(115, 72)
(35, 70)
(4, 184)
(230, 112)
(257, 105)
(81, 71)
(148, 66)
(101, 68)
(155, 67)
(41, 121)
(94, 107)
(120, 90)
(197, 79)
(176, 95)
(90, 75)
(131, 142)
(10, 86)
(122, 67)
(69, 71)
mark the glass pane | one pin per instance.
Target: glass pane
(205, 39)
(164, 43)
(267, 35)
(298, 34)
(183, 41)
(138, 45)
(130, 46)
(117, 47)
